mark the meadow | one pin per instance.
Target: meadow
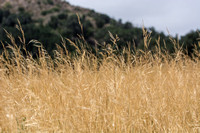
(142, 92)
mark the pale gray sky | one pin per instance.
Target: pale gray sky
(178, 16)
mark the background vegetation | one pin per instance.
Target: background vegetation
(95, 30)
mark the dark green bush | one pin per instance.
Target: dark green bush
(50, 2)
(52, 10)
(21, 9)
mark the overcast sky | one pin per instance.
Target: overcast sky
(178, 16)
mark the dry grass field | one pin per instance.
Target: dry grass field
(149, 92)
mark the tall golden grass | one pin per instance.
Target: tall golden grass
(149, 92)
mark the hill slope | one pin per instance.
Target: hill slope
(36, 7)
(47, 20)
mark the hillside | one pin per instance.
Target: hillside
(47, 20)
(36, 7)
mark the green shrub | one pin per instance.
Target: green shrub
(50, 2)
(21, 9)
(7, 5)
(101, 20)
(52, 10)
(38, 2)
(62, 16)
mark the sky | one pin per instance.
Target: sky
(176, 16)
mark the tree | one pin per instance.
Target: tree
(189, 41)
